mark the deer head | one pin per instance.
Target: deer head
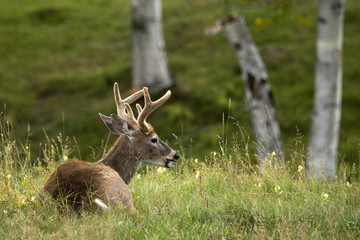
(150, 149)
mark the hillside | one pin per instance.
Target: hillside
(59, 60)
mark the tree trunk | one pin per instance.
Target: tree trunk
(324, 137)
(257, 88)
(149, 62)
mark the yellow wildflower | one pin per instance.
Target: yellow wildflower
(161, 170)
(325, 196)
(21, 199)
(258, 21)
(277, 189)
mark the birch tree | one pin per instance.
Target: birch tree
(324, 137)
(259, 97)
(149, 61)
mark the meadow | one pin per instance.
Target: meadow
(59, 60)
(221, 197)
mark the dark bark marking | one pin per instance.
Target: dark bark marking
(322, 20)
(271, 98)
(255, 85)
(139, 25)
(230, 19)
(252, 82)
(138, 21)
(337, 8)
(237, 46)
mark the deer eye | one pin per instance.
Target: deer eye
(154, 140)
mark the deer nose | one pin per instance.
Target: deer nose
(176, 157)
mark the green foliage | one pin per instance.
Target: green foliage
(223, 196)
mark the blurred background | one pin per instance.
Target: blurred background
(59, 60)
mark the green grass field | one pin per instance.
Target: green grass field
(222, 197)
(58, 63)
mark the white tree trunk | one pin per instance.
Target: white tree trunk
(328, 89)
(149, 62)
(257, 88)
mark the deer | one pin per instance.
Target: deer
(104, 184)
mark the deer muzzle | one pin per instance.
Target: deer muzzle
(171, 162)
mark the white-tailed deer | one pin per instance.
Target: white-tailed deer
(104, 183)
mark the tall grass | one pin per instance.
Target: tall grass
(222, 196)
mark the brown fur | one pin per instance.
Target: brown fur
(79, 183)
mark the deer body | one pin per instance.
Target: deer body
(79, 183)
(104, 183)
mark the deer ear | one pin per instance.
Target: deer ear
(122, 126)
(116, 125)
(108, 123)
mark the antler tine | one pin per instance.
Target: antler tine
(149, 107)
(139, 108)
(120, 103)
(123, 106)
(133, 97)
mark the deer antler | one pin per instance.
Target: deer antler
(124, 110)
(149, 107)
(123, 106)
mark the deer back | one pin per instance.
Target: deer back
(79, 183)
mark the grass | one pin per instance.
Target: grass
(222, 196)
(58, 63)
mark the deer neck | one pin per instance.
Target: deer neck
(123, 158)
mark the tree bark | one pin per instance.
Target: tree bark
(326, 115)
(149, 61)
(258, 92)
